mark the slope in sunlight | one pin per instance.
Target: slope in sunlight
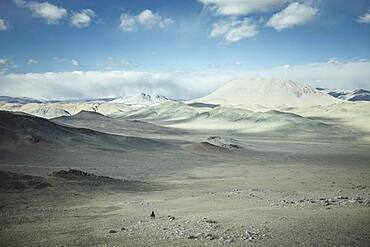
(267, 94)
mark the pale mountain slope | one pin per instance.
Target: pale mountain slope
(112, 107)
(267, 94)
(353, 115)
(167, 111)
(246, 121)
(140, 99)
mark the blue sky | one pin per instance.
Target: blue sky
(158, 36)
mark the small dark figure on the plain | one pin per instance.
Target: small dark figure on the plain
(152, 215)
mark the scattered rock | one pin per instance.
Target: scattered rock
(326, 203)
(210, 236)
(226, 143)
(123, 229)
(192, 236)
(249, 235)
(361, 187)
(171, 218)
(341, 197)
(357, 199)
(226, 239)
(210, 221)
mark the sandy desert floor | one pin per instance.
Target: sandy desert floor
(272, 190)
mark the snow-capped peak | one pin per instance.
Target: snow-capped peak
(140, 99)
(267, 93)
(349, 95)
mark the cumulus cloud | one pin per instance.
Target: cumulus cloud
(241, 7)
(127, 23)
(4, 25)
(75, 62)
(51, 13)
(3, 64)
(32, 61)
(83, 18)
(233, 30)
(6, 64)
(146, 18)
(293, 15)
(365, 18)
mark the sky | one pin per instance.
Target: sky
(64, 49)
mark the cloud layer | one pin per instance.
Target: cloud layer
(176, 84)
(50, 12)
(293, 15)
(146, 18)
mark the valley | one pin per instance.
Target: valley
(214, 175)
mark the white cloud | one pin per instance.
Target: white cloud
(334, 73)
(364, 18)
(32, 61)
(3, 64)
(176, 84)
(293, 15)
(6, 64)
(51, 13)
(82, 18)
(96, 84)
(241, 7)
(75, 62)
(4, 25)
(233, 30)
(146, 18)
(127, 23)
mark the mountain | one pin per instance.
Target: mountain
(349, 95)
(21, 128)
(140, 99)
(19, 100)
(267, 94)
(49, 112)
(170, 110)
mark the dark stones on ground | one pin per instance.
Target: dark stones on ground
(73, 174)
(209, 221)
(16, 181)
(170, 217)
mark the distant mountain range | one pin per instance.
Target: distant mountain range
(19, 100)
(138, 99)
(348, 95)
(252, 94)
